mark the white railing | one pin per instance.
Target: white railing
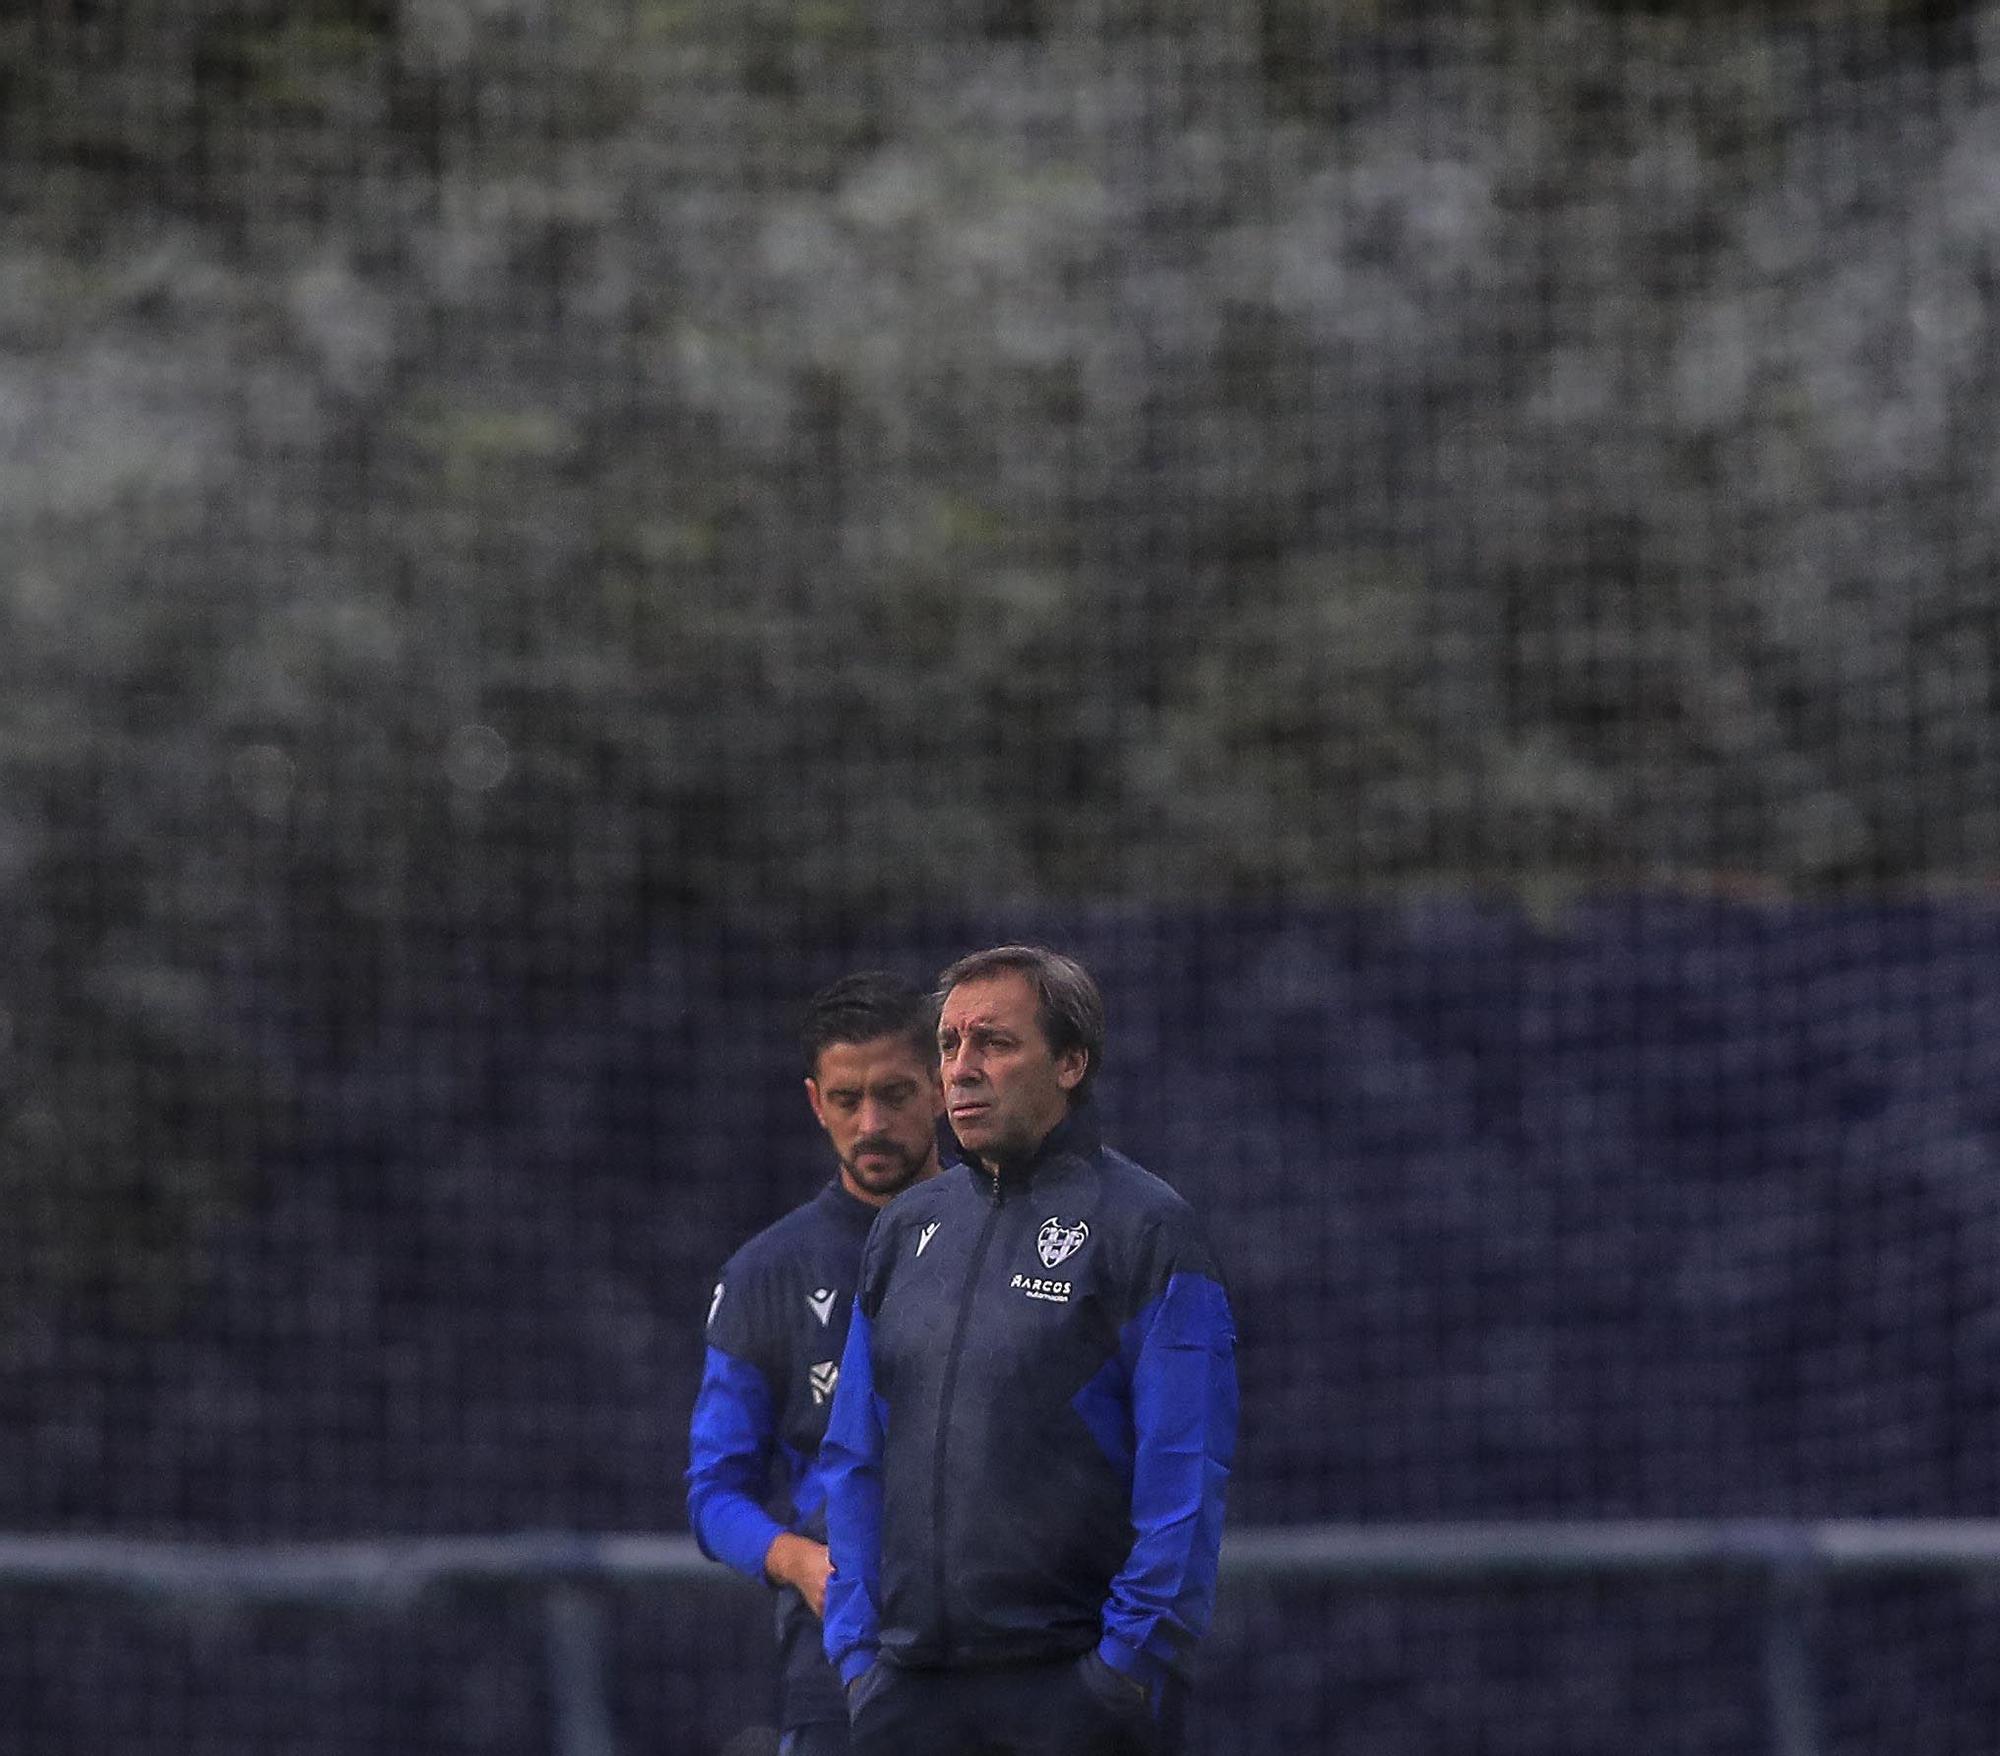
(1794, 1559)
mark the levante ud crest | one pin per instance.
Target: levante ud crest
(1060, 1239)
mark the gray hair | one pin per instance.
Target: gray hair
(1070, 1007)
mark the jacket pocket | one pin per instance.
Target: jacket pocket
(1123, 1699)
(867, 1689)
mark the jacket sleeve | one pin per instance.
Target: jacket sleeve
(733, 1434)
(851, 1466)
(1180, 1356)
(729, 1461)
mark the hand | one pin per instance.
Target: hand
(802, 1564)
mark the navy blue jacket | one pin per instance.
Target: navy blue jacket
(1035, 1421)
(777, 1323)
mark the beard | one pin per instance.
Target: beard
(901, 1169)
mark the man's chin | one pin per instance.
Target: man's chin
(993, 1146)
(883, 1181)
(974, 1135)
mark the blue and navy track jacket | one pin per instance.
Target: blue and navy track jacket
(777, 1323)
(1035, 1421)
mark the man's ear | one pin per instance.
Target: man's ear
(813, 1098)
(1071, 1065)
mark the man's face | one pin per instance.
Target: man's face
(879, 1103)
(1005, 1089)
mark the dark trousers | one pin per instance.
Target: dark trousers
(1017, 1710)
(828, 1739)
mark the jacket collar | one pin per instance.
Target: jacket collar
(849, 1205)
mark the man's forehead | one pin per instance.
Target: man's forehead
(1005, 997)
(884, 1057)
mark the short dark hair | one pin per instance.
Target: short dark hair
(859, 1008)
(1067, 1000)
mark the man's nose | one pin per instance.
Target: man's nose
(961, 1066)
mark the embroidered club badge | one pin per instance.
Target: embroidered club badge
(1060, 1239)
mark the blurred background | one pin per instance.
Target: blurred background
(1448, 550)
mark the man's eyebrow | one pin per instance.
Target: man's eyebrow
(978, 1027)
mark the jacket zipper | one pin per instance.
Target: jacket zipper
(944, 1415)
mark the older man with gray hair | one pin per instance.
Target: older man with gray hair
(1036, 1415)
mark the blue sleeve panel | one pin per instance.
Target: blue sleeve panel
(1178, 1362)
(731, 1441)
(850, 1464)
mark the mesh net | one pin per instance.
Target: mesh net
(1445, 550)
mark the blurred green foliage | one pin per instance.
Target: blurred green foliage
(480, 478)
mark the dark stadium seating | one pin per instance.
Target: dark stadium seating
(1652, 1208)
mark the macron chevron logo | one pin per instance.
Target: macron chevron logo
(925, 1236)
(823, 1378)
(821, 1304)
